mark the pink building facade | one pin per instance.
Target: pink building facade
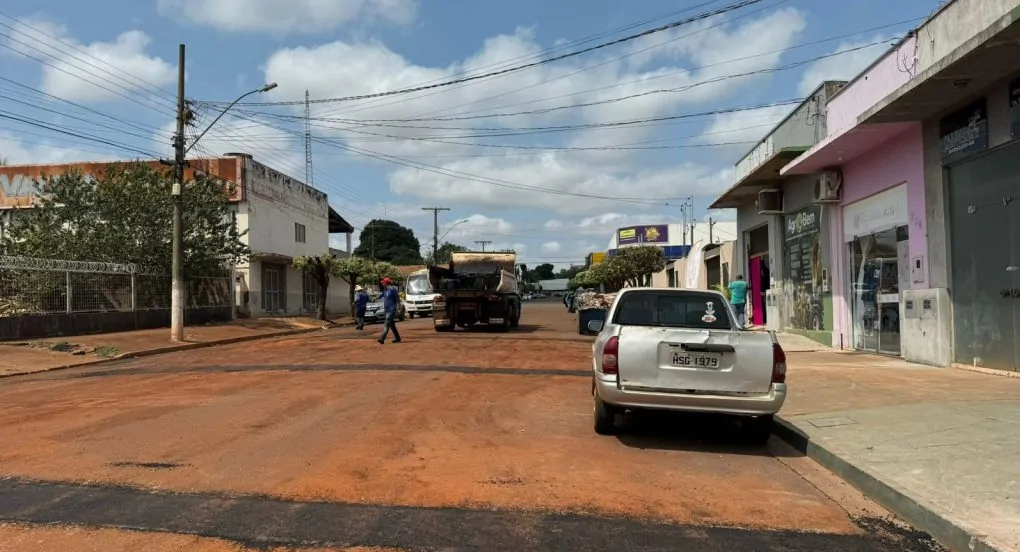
(877, 218)
(879, 224)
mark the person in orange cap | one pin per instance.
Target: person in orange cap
(391, 304)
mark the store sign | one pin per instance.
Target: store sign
(654, 234)
(881, 211)
(964, 132)
(1014, 107)
(802, 257)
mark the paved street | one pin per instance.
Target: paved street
(330, 441)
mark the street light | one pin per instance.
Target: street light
(265, 88)
(452, 226)
(176, 194)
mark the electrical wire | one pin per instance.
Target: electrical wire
(661, 28)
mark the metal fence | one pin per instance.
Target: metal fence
(32, 287)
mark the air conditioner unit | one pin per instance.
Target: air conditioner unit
(770, 202)
(829, 186)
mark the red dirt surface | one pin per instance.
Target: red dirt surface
(19, 538)
(396, 437)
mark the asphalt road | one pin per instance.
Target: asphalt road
(450, 442)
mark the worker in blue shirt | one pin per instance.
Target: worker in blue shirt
(360, 306)
(738, 298)
(391, 304)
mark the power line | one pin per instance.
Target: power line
(42, 124)
(661, 28)
(787, 67)
(536, 55)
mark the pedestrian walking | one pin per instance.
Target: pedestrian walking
(391, 304)
(738, 298)
(361, 299)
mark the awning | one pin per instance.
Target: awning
(337, 224)
(957, 76)
(839, 148)
(746, 189)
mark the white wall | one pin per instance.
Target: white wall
(274, 203)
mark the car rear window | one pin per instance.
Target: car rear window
(674, 309)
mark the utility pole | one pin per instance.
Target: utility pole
(309, 173)
(435, 229)
(483, 243)
(711, 223)
(176, 195)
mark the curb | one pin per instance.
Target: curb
(946, 532)
(172, 349)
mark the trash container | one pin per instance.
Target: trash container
(587, 315)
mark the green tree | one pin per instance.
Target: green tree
(545, 271)
(385, 240)
(569, 272)
(443, 254)
(353, 270)
(321, 268)
(637, 264)
(382, 270)
(126, 217)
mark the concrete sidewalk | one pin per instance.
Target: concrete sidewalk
(937, 446)
(39, 355)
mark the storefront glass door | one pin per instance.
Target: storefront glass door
(875, 261)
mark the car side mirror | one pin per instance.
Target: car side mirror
(595, 326)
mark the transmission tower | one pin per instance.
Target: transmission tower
(309, 177)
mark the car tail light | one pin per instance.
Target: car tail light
(778, 364)
(610, 354)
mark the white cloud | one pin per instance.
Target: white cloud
(845, 66)
(279, 17)
(551, 247)
(477, 225)
(21, 149)
(487, 178)
(109, 69)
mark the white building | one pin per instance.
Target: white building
(284, 219)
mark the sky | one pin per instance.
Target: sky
(548, 160)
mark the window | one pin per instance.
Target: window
(299, 232)
(679, 309)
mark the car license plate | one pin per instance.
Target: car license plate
(692, 360)
(495, 321)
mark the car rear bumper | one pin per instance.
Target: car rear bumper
(741, 405)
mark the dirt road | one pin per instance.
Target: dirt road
(462, 441)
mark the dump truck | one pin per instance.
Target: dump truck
(476, 288)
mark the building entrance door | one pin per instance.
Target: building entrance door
(984, 211)
(875, 269)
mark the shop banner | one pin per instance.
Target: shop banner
(802, 239)
(653, 234)
(1014, 107)
(964, 132)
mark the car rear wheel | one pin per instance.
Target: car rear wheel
(758, 430)
(605, 417)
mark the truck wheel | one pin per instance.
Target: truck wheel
(758, 430)
(605, 417)
(515, 318)
(410, 314)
